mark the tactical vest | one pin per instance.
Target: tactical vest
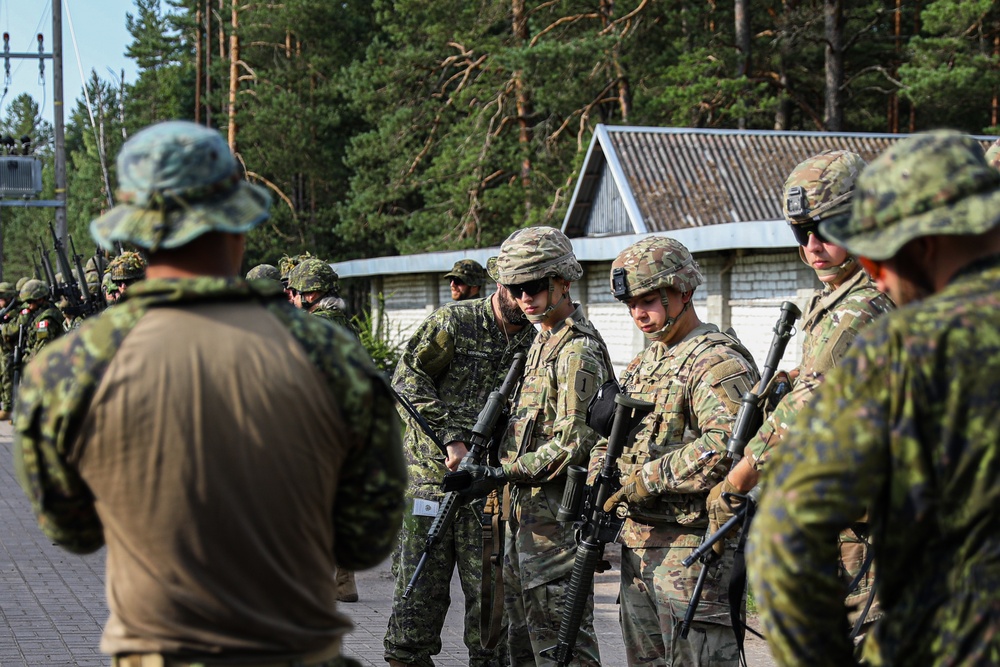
(665, 380)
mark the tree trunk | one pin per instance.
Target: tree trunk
(833, 19)
(197, 66)
(742, 20)
(622, 84)
(208, 63)
(234, 56)
(522, 98)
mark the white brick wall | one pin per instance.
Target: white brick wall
(759, 283)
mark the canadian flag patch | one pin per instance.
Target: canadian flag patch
(44, 324)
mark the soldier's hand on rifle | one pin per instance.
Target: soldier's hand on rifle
(719, 511)
(484, 478)
(633, 490)
(456, 452)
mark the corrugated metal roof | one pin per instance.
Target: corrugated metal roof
(677, 178)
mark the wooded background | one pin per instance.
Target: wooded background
(402, 126)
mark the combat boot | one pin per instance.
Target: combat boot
(347, 589)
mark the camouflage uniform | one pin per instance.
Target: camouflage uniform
(906, 427)
(454, 359)
(832, 320)
(696, 384)
(547, 433)
(249, 580)
(468, 272)
(8, 338)
(43, 324)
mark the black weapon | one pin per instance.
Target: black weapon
(90, 301)
(482, 434)
(72, 287)
(596, 527)
(15, 366)
(748, 421)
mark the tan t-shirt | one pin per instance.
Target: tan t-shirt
(216, 499)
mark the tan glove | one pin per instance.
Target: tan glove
(719, 511)
(633, 490)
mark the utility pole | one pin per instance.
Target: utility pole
(57, 114)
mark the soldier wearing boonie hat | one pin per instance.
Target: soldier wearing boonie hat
(466, 278)
(217, 424)
(905, 427)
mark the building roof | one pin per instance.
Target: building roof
(677, 178)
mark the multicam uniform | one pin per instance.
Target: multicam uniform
(452, 362)
(548, 433)
(167, 593)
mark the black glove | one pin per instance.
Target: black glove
(484, 478)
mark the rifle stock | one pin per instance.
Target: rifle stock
(597, 527)
(482, 434)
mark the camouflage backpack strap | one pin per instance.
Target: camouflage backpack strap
(588, 330)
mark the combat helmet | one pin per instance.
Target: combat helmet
(20, 282)
(533, 254)
(7, 291)
(289, 262)
(654, 264)
(469, 272)
(127, 267)
(33, 290)
(821, 189)
(268, 271)
(313, 275)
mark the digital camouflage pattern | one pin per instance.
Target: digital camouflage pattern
(337, 316)
(289, 262)
(949, 189)
(654, 263)
(60, 384)
(827, 182)
(547, 433)
(533, 253)
(833, 319)
(41, 327)
(905, 427)
(696, 386)
(469, 271)
(451, 363)
(176, 181)
(268, 271)
(128, 266)
(33, 290)
(8, 339)
(313, 275)
(7, 291)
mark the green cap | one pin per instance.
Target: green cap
(931, 183)
(178, 180)
(469, 272)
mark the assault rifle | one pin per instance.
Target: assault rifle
(748, 421)
(15, 367)
(596, 527)
(73, 287)
(482, 434)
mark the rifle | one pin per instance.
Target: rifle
(748, 421)
(73, 287)
(15, 366)
(596, 527)
(482, 434)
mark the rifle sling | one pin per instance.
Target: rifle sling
(491, 597)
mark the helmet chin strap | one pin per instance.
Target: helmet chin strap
(540, 317)
(841, 271)
(661, 334)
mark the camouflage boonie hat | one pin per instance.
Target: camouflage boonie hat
(313, 275)
(127, 266)
(533, 253)
(176, 181)
(932, 183)
(469, 272)
(822, 187)
(7, 290)
(33, 290)
(993, 154)
(268, 271)
(652, 263)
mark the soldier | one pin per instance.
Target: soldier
(268, 271)
(42, 321)
(314, 287)
(819, 189)
(128, 268)
(226, 447)
(466, 278)
(548, 432)
(906, 426)
(285, 266)
(695, 375)
(454, 359)
(8, 338)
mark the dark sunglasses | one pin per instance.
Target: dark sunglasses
(530, 288)
(804, 229)
(457, 281)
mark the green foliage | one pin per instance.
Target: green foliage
(374, 332)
